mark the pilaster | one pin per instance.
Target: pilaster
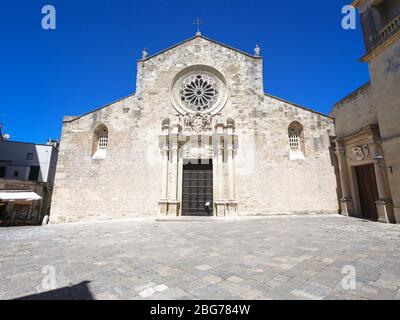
(384, 205)
(346, 201)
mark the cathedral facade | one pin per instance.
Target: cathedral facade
(198, 137)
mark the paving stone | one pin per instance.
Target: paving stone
(313, 291)
(390, 279)
(386, 294)
(235, 279)
(161, 288)
(253, 295)
(212, 279)
(143, 287)
(252, 258)
(147, 293)
(203, 267)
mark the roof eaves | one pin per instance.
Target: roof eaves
(30, 143)
(362, 88)
(298, 106)
(98, 109)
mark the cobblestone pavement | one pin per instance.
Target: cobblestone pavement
(250, 258)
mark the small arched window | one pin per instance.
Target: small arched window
(103, 140)
(296, 141)
(100, 143)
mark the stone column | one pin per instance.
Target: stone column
(346, 202)
(220, 203)
(231, 170)
(163, 204)
(384, 205)
(232, 203)
(220, 171)
(164, 189)
(379, 172)
(173, 204)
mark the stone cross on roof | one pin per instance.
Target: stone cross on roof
(198, 22)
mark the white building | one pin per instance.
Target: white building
(27, 161)
(27, 173)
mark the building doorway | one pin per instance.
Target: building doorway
(367, 190)
(197, 191)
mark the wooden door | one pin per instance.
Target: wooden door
(367, 190)
(197, 197)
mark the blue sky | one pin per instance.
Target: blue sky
(90, 59)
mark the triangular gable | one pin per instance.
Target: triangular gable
(205, 38)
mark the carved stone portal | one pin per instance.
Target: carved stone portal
(198, 137)
(197, 123)
(358, 154)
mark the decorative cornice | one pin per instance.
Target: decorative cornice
(375, 51)
(370, 130)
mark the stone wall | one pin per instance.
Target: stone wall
(385, 79)
(355, 112)
(377, 103)
(273, 183)
(128, 182)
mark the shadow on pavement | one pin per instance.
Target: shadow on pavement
(80, 291)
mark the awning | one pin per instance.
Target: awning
(19, 195)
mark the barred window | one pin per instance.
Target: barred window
(103, 140)
(100, 143)
(296, 140)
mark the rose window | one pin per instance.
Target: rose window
(199, 92)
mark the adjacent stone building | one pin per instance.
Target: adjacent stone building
(367, 121)
(27, 173)
(198, 137)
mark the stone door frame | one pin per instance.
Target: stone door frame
(218, 142)
(358, 211)
(180, 181)
(363, 148)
